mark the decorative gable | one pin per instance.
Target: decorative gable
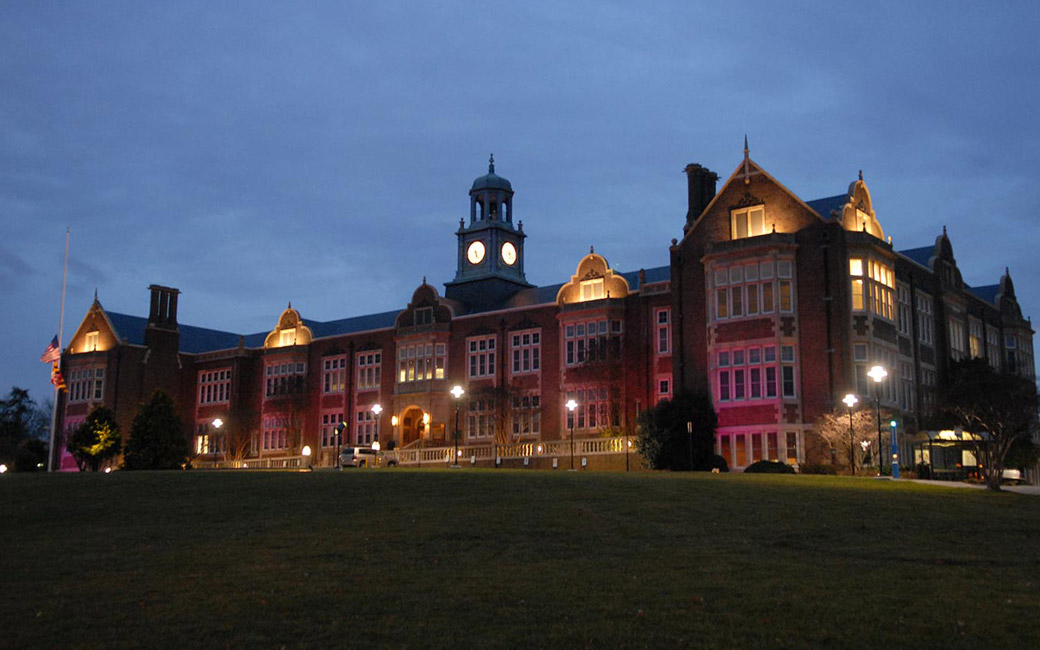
(289, 331)
(594, 280)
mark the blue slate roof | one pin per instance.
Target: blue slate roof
(987, 293)
(825, 206)
(920, 255)
(350, 325)
(196, 340)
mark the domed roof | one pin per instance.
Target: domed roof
(491, 181)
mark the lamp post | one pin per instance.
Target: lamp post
(377, 409)
(457, 392)
(571, 405)
(878, 374)
(217, 423)
(338, 430)
(851, 401)
(895, 448)
(306, 451)
(689, 441)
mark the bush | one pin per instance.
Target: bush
(810, 468)
(719, 463)
(769, 467)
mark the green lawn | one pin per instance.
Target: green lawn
(509, 559)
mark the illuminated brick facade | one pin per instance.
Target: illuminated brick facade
(773, 304)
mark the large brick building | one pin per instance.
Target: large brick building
(775, 305)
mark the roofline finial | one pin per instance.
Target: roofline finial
(491, 164)
(861, 174)
(747, 166)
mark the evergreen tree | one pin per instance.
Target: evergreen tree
(157, 439)
(665, 440)
(96, 440)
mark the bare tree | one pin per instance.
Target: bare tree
(998, 409)
(842, 441)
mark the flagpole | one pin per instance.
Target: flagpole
(61, 327)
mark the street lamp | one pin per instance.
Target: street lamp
(217, 423)
(377, 409)
(306, 451)
(878, 374)
(457, 392)
(571, 405)
(339, 435)
(851, 401)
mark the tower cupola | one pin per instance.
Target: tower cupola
(490, 248)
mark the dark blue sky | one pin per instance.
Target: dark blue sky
(321, 152)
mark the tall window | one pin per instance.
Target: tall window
(367, 429)
(993, 346)
(215, 386)
(925, 319)
(975, 334)
(421, 361)
(284, 378)
(589, 341)
(526, 348)
(481, 419)
(86, 384)
(749, 373)
(333, 374)
(872, 285)
(748, 222)
(955, 327)
(664, 331)
(527, 415)
(904, 322)
(91, 342)
(275, 433)
(787, 361)
(369, 365)
(208, 440)
(752, 289)
(329, 421)
(906, 386)
(481, 356)
(593, 409)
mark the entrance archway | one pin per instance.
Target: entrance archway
(412, 426)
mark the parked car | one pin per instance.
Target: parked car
(1012, 476)
(366, 457)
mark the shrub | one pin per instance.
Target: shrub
(818, 468)
(719, 463)
(769, 467)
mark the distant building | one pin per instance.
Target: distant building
(775, 305)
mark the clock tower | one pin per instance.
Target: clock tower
(491, 249)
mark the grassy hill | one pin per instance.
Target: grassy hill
(504, 559)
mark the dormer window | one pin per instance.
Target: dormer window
(91, 342)
(287, 337)
(591, 289)
(423, 316)
(749, 222)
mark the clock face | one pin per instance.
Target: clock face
(508, 253)
(475, 252)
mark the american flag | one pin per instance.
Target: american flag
(52, 353)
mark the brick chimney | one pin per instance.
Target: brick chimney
(163, 309)
(701, 181)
